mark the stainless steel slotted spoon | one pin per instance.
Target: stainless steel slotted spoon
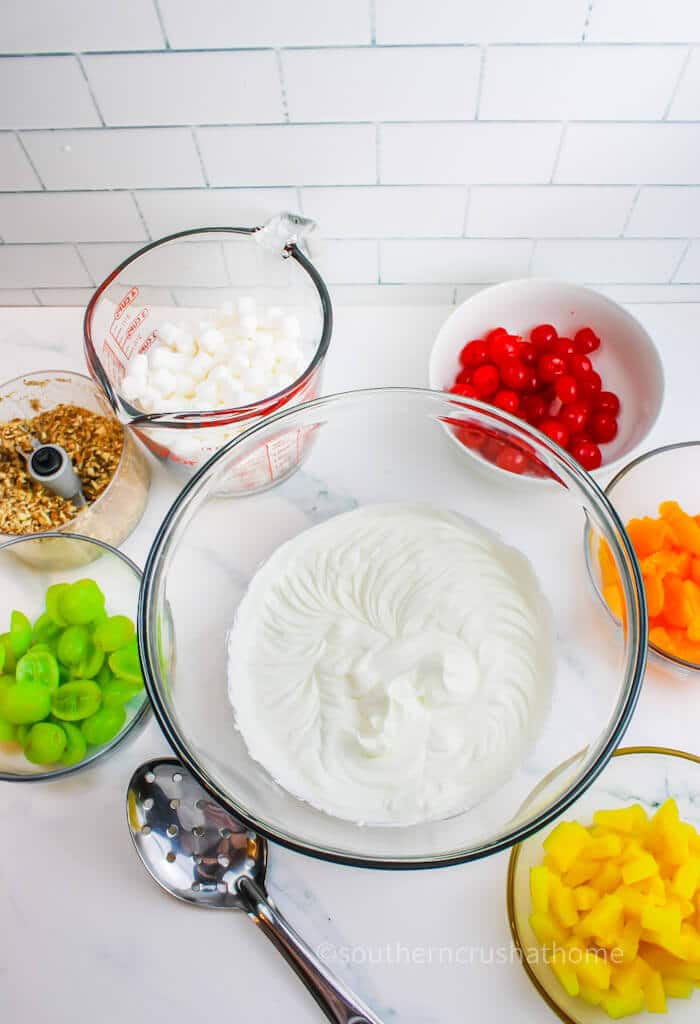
(199, 853)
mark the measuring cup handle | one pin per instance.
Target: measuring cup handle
(335, 999)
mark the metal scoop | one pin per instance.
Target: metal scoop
(199, 853)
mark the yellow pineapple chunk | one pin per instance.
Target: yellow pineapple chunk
(586, 897)
(638, 869)
(546, 929)
(593, 970)
(654, 994)
(563, 904)
(608, 878)
(581, 872)
(662, 919)
(625, 820)
(565, 844)
(687, 878)
(539, 888)
(605, 846)
(603, 919)
(677, 988)
(565, 972)
(617, 1006)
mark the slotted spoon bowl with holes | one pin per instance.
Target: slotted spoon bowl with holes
(199, 853)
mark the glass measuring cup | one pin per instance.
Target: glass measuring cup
(187, 276)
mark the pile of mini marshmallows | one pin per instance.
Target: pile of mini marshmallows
(235, 358)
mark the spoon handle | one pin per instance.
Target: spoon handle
(335, 999)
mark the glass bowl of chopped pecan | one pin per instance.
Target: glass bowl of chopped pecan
(58, 424)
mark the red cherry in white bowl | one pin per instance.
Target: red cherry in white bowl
(566, 359)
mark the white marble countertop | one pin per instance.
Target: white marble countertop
(84, 933)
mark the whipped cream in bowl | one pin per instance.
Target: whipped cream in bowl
(391, 665)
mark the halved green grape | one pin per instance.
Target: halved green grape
(38, 667)
(25, 703)
(104, 675)
(2, 657)
(21, 732)
(76, 700)
(76, 744)
(45, 629)
(10, 662)
(114, 632)
(20, 632)
(90, 665)
(45, 743)
(118, 692)
(125, 663)
(103, 725)
(7, 731)
(53, 595)
(81, 602)
(73, 645)
(5, 681)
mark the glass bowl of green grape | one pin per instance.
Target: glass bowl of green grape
(70, 677)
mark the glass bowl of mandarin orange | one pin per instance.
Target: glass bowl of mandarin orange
(604, 903)
(657, 497)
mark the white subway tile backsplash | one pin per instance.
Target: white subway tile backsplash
(63, 296)
(186, 88)
(452, 260)
(631, 154)
(548, 211)
(643, 294)
(606, 83)
(69, 217)
(290, 155)
(348, 261)
(618, 260)
(670, 211)
(15, 170)
(504, 21)
(381, 83)
(689, 270)
(175, 210)
(115, 158)
(216, 23)
(18, 297)
(41, 266)
(392, 294)
(44, 92)
(455, 154)
(629, 21)
(385, 211)
(686, 103)
(44, 25)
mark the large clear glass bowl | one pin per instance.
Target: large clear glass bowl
(386, 445)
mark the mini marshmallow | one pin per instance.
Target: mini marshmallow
(132, 387)
(287, 350)
(206, 325)
(272, 318)
(138, 367)
(185, 385)
(161, 358)
(212, 341)
(149, 399)
(291, 328)
(226, 310)
(164, 382)
(264, 359)
(206, 392)
(252, 379)
(264, 339)
(220, 373)
(201, 365)
(246, 398)
(167, 333)
(230, 392)
(248, 325)
(239, 360)
(246, 306)
(290, 368)
(185, 343)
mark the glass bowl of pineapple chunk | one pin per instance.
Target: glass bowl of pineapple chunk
(604, 904)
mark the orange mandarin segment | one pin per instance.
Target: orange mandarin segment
(685, 529)
(654, 589)
(648, 535)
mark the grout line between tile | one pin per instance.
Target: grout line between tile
(587, 21)
(283, 86)
(557, 155)
(480, 83)
(202, 167)
(678, 265)
(149, 236)
(633, 205)
(681, 76)
(80, 256)
(20, 142)
(467, 204)
(161, 22)
(88, 83)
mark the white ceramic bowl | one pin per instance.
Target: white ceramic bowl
(627, 359)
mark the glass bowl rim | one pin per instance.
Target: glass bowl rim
(637, 625)
(120, 465)
(215, 417)
(666, 656)
(513, 868)
(139, 716)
